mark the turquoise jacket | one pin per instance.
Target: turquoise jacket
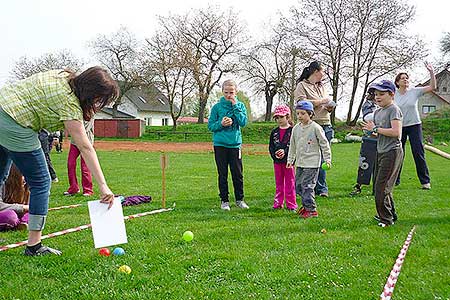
(229, 137)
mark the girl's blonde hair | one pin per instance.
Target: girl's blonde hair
(229, 82)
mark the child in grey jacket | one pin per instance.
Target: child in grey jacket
(307, 143)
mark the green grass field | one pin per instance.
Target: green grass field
(254, 254)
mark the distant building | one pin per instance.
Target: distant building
(147, 104)
(438, 99)
(107, 113)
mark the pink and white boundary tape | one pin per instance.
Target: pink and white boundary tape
(393, 276)
(66, 206)
(79, 228)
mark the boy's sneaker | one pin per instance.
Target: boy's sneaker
(381, 224)
(242, 204)
(225, 206)
(377, 218)
(55, 180)
(43, 250)
(309, 214)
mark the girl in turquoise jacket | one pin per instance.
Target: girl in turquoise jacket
(225, 121)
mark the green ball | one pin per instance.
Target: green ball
(325, 166)
(188, 236)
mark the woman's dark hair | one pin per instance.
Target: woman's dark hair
(95, 89)
(309, 70)
(397, 78)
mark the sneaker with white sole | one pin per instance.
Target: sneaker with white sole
(394, 217)
(242, 204)
(426, 186)
(70, 194)
(225, 206)
(43, 250)
(382, 225)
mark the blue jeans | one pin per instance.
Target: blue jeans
(34, 168)
(321, 186)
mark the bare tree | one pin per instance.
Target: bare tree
(378, 45)
(319, 27)
(445, 43)
(211, 39)
(62, 59)
(118, 52)
(359, 40)
(170, 71)
(266, 67)
(445, 49)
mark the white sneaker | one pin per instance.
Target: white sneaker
(242, 204)
(70, 194)
(225, 206)
(381, 224)
(55, 180)
(426, 186)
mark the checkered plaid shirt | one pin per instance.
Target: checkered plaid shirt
(43, 100)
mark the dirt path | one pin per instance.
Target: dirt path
(169, 147)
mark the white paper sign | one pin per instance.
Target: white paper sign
(108, 225)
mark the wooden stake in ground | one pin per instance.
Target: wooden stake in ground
(164, 163)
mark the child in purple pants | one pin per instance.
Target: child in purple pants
(14, 198)
(279, 148)
(13, 216)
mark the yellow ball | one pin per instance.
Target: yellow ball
(125, 269)
(188, 236)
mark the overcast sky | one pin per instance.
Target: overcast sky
(35, 27)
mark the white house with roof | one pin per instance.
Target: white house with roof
(438, 99)
(107, 113)
(145, 103)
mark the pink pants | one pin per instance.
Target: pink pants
(9, 219)
(284, 187)
(86, 179)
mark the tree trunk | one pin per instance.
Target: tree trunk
(269, 103)
(201, 109)
(293, 86)
(358, 112)
(174, 126)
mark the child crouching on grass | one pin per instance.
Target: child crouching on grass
(307, 143)
(14, 202)
(387, 124)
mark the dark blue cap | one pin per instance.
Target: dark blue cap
(383, 86)
(305, 105)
